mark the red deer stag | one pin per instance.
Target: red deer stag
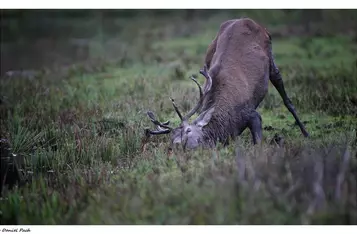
(238, 64)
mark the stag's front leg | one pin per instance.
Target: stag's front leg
(255, 126)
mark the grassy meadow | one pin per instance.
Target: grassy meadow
(72, 129)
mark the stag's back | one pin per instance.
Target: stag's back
(238, 62)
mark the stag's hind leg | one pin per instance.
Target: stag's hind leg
(255, 127)
(277, 81)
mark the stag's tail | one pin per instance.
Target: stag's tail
(277, 81)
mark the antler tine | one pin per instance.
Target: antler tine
(199, 86)
(205, 73)
(157, 132)
(156, 122)
(166, 123)
(195, 109)
(176, 109)
(162, 128)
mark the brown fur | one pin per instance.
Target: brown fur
(238, 62)
(238, 66)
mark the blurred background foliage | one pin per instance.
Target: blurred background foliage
(62, 36)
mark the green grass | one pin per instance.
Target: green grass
(77, 135)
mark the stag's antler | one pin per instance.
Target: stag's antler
(156, 122)
(176, 109)
(162, 128)
(199, 86)
(199, 104)
(207, 88)
(205, 73)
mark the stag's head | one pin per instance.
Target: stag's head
(189, 135)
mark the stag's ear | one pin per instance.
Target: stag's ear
(204, 118)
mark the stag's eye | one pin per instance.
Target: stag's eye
(188, 130)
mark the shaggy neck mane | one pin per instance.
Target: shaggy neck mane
(228, 119)
(221, 127)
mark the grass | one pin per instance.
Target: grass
(76, 133)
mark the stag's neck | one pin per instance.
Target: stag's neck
(232, 99)
(227, 122)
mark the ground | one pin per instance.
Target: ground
(76, 133)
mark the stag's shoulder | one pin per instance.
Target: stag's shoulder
(245, 25)
(225, 25)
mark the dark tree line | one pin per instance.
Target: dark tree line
(50, 23)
